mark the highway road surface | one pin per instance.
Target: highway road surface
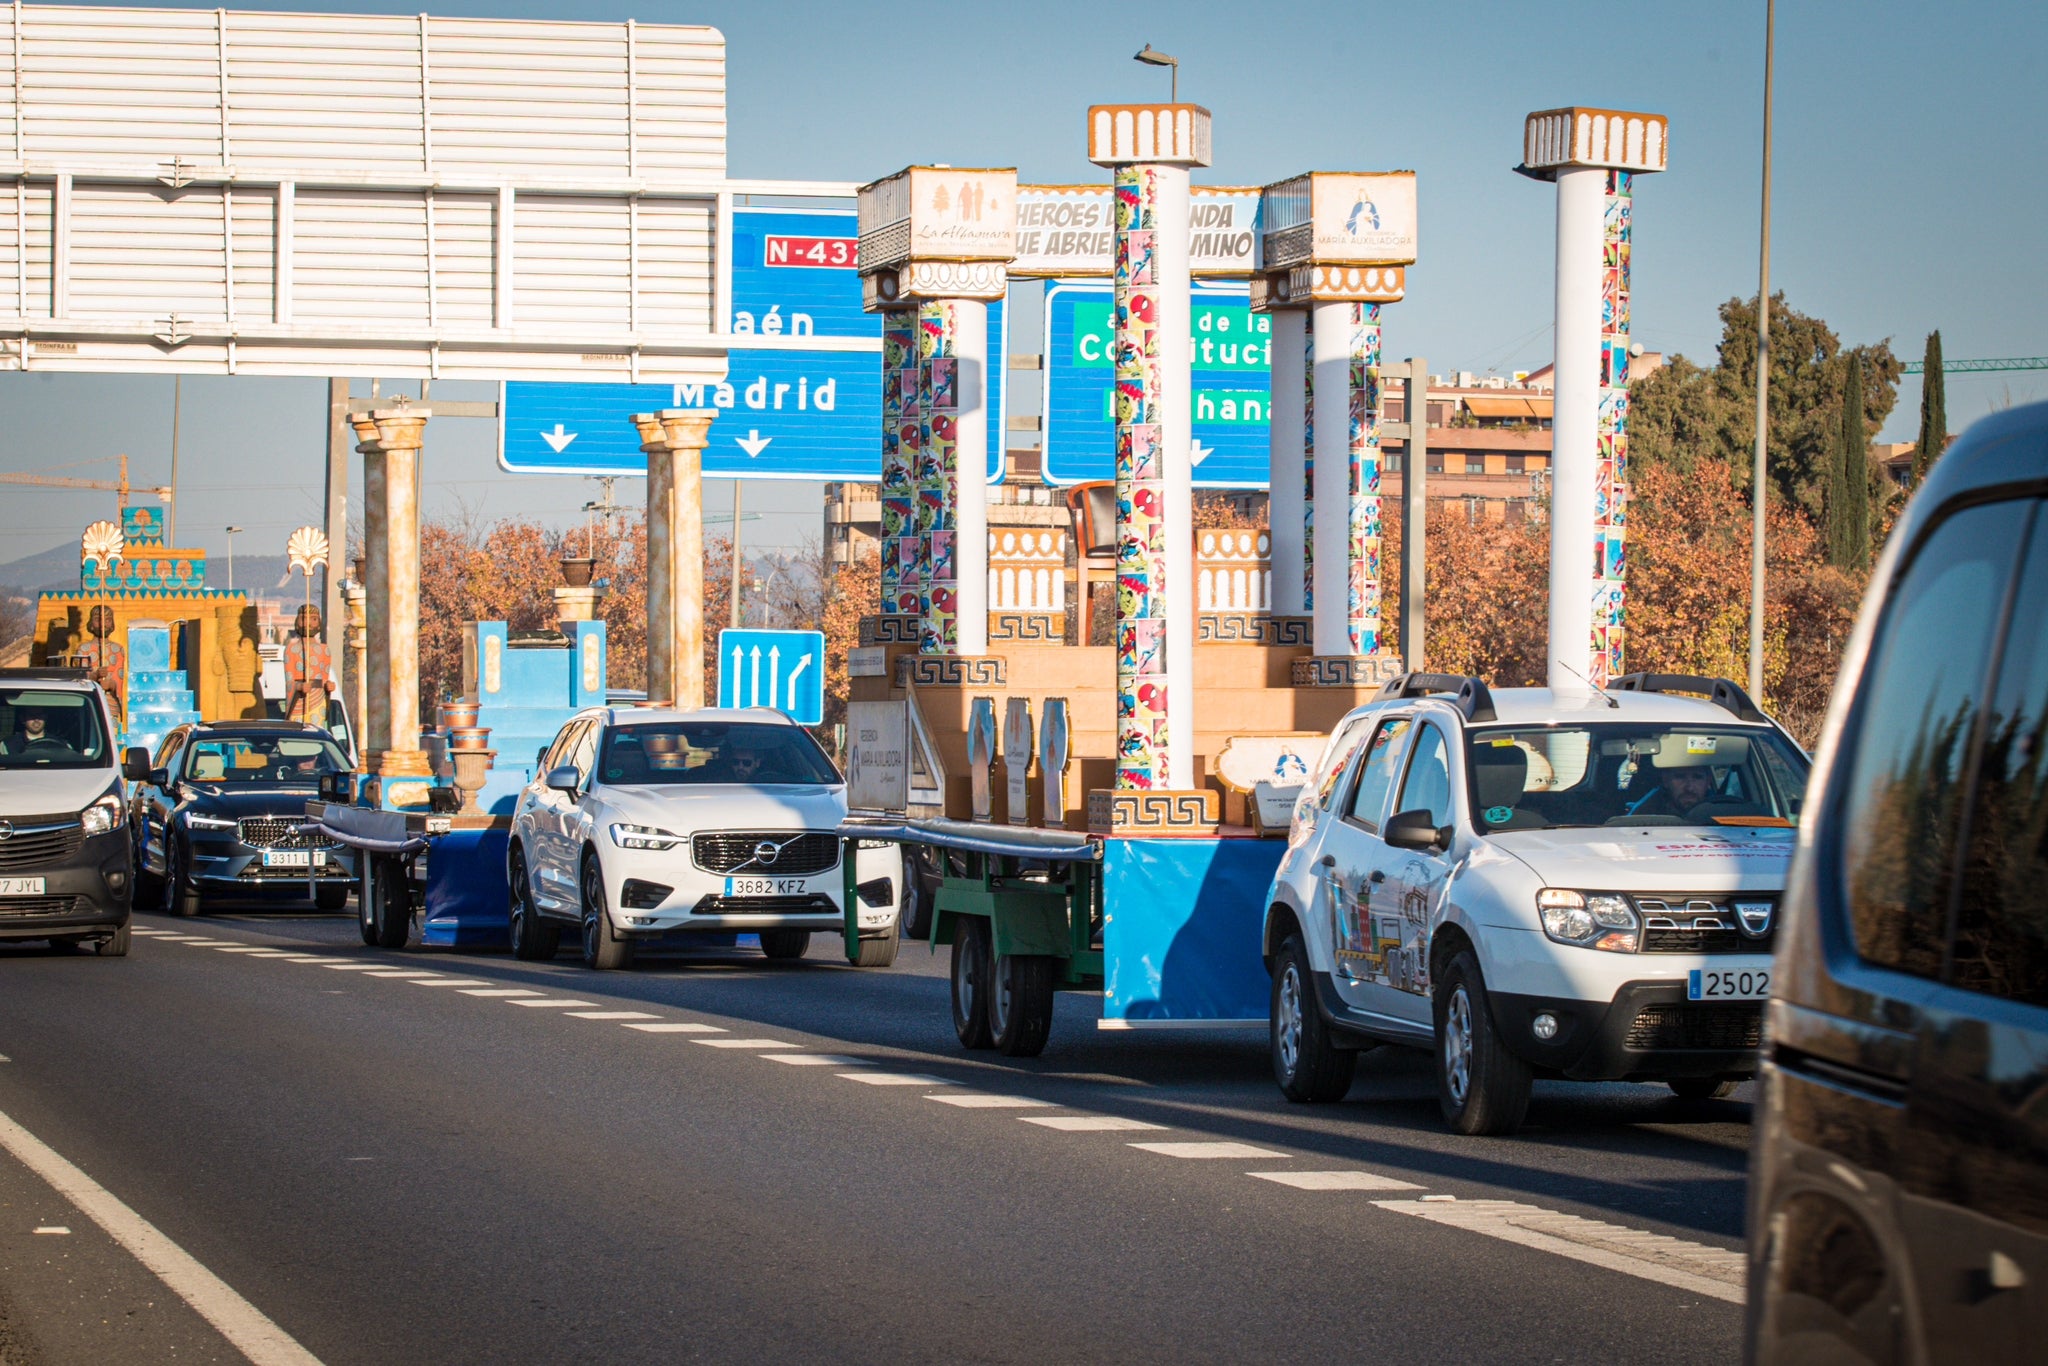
(262, 1141)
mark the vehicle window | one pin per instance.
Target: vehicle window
(167, 754)
(262, 760)
(564, 746)
(1338, 757)
(584, 753)
(1376, 774)
(1917, 707)
(1428, 784)
(1640, 773)
(51, 728)
(706, 752)
(2001, 934)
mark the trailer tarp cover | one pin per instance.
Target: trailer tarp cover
(1182, 942)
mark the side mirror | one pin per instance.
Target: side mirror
(338, 787)
(565, 778)
(1416, 830)
(159, 777)
(135, 764)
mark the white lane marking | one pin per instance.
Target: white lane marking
(51, 1228)
(551, 1003)
(310, 958)
(455, 982)
(1711, 1271)
(270, 953)
(673, 1028)
(1087, 1124)
(399, 972)
(981, 1100)
(1208, 1150)
(1337, 1181)
(203, 943)
(611, 1015)
(895, 1079)
(238, 948)
(239, 1321)
(354, 967)
(498, 991)
(746, 1043)
(816, 1060)
(137, 929)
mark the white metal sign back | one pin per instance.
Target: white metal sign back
(210, 191)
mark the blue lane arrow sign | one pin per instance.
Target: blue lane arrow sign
(780, 669)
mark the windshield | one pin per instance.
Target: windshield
(1558, 777)
(263, 760)
(699, 753)
(51, 729)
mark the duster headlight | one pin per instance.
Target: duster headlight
(1589, 920)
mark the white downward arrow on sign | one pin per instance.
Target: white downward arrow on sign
(753, 443)
(1197, 452)
(558, 440)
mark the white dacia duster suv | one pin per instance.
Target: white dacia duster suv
(1534, 884)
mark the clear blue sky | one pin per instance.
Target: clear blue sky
(1911, 142)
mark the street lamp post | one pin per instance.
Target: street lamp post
(231, 557)
(1759, 489)
(1149, 57)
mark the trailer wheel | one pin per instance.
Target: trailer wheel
(971, 972)
(390, 916)
(1020, 1003)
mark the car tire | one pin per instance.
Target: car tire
(114, 945)
(1481, 1086)
(177, 898)
(916, 915)
(534, 940)
(1307, 1064)
(147, 889)
(1020, 999)
(880, 951)
(970, 973)
(390, 913)
(331, 897)
(1694, 1089)
(783, 945)
(366, 909)
(66, 945)
(602, 951)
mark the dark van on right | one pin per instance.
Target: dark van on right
(1899, 1193)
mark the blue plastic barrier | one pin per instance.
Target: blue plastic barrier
(1182, 938)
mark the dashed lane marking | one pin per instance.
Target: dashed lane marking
(237, 1320)
(401, 972)
(271, 953)
(1088, 1124)
(202, 943)
(309, 958)
(611, 1015)
(498, 991)
(455, 982)
(353, 967)
(670, 1027)
(1711, 1271)
(816, 1060)
(142, 930)
(982, 1100)
(895, 1079)
(1208, 1150)
(747, 1043)
(1337, 1181)
(551, 1003)
(237, 948)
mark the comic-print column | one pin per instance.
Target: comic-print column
(1593, 155)
(902, 546)
(1149, 150)
(952, 460)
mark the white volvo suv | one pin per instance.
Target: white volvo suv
(646, 827)
(1532, 884)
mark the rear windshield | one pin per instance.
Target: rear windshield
(263, 760)
(51, 729)
(706, 752)
(1557, 777)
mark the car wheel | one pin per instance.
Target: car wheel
(601, 951)
(1020, 1003)
(1702, 1088)
(1309, 1067)
(533, 939)
(331, 897)
(114, 945)
(66, 945)
(1482, 1088)
(178, 898)
(147, 889)
(917, 895)
(391, 905)
(880, 951)
(785, 944)
(971, 969)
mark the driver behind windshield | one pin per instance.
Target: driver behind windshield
(32, 728)
(1689, 776)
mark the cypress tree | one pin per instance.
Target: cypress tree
(1933, 410)
(1848, 507)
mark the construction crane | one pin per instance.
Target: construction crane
(58, 481)
(1970, 367)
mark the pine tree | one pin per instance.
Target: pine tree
(1933, 411)
(1848, 504)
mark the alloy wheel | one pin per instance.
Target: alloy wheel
(1289, 1021)
(1458, 1044)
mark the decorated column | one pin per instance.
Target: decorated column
(390, 439)
(934, 246)
(674, 442)
(1289, 437)
(1334, 250)
(1592, 155)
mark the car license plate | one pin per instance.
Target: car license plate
(766, 886)
(21, 886)
(287, 858)
(1728, 984)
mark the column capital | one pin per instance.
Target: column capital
(1580, 137)
(674, 429)
(1148, 134)
(390, 429)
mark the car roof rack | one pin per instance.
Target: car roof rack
(1472, 695)
(1724, 693)
(52, 673)
(259, 724)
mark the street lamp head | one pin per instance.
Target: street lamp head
(1152, 57)
(233, 529)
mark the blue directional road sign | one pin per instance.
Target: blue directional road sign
(1233, 386)
(781, 414)
(780, 669)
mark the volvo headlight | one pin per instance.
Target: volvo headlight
(195, 821)
(102, 816)
(644, 837)
(1589, 920)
